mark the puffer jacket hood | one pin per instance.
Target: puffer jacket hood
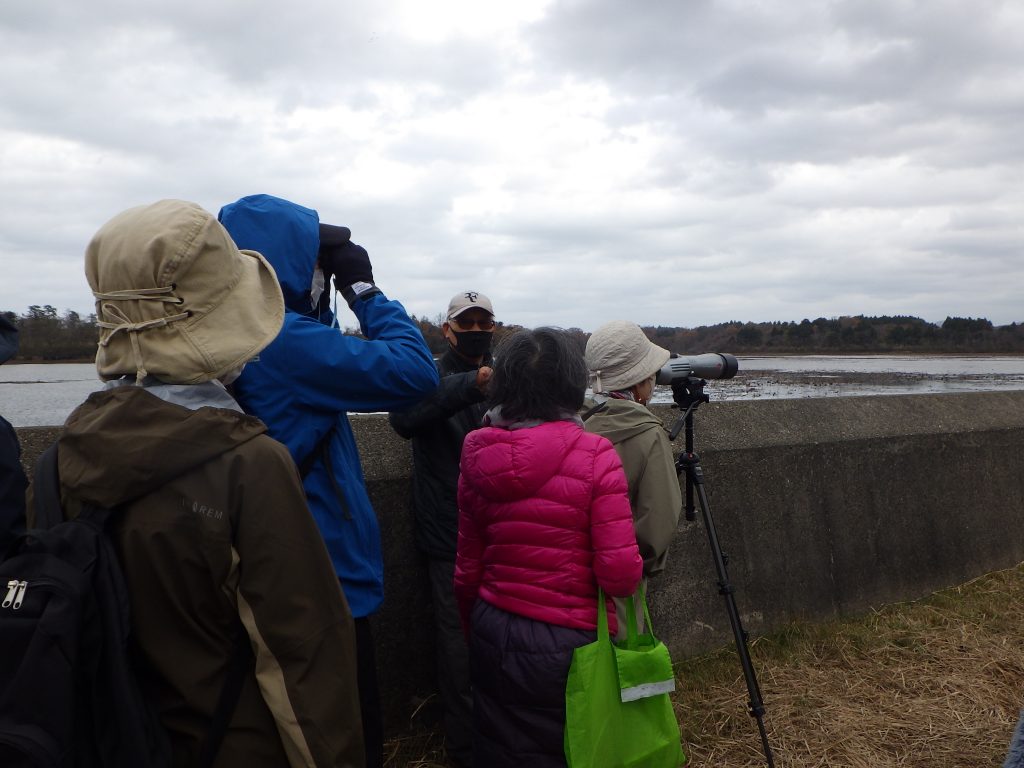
(620, 420)
(519, 461)
(286, 234)
(123, 443)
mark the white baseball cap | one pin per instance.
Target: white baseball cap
(469, 300)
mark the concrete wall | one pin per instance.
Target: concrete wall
(825, 506)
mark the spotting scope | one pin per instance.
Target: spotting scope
(711, 365)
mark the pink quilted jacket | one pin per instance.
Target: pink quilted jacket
(544, 518)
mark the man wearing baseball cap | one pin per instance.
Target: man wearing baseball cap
(437, 426)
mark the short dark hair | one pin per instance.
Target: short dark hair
(539, 374)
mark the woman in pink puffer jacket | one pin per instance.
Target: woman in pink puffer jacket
(544, 518)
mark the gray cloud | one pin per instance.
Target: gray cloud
(675, 163)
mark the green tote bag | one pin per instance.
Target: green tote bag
(617, 710)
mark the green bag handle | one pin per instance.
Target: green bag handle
(632, 633)
(643, 664)
(602, 616)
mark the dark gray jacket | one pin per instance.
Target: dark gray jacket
(437, 425)
(12, 478)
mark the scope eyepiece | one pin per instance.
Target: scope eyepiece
(711, 365)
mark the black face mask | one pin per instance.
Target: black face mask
(473, 343)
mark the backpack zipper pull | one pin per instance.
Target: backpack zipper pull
(12, 587)
(21, 594)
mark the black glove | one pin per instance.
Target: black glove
(332, 244)
(353, 274)
(348, 262)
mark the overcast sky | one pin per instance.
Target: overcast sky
(683, 162)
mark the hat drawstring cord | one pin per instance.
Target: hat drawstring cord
(132, 329)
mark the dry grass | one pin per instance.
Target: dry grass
(938, 682)
(933, 683)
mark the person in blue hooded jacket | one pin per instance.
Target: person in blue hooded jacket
(303, 384)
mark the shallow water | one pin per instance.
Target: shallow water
(851, 376)
(43, 395)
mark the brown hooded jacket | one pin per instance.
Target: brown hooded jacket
(213, 528)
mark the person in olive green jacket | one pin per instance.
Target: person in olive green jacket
(211, 526)
(623, 364)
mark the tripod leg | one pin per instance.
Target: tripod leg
(690, 464)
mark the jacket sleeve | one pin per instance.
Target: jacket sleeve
(293, 609)
(657, 503)
(389, 370)
(454, 393)
(617, 563)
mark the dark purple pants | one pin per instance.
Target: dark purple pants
(518, 668)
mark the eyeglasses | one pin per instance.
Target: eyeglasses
(467, 324)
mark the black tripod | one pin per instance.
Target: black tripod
(688, 394)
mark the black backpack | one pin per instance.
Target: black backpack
(69, 696)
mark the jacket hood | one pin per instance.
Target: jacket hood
(621, 420)
(125, 442)
(286, 234)
(512, 464)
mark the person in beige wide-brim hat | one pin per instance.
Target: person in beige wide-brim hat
(622, 359)
(623, 364)
(175, 298)
(221, 557)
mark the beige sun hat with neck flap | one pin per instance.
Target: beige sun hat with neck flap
(175, 298)
(619, 355)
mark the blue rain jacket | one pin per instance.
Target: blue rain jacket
(311, 375)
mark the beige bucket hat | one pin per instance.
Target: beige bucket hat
(619, 355)
(175, 298)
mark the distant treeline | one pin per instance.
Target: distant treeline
(840, 335)
(46, 334)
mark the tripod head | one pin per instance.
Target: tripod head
(688, 375)
(687, 395)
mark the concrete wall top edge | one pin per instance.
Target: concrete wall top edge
(723, 426)
(772, 423)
